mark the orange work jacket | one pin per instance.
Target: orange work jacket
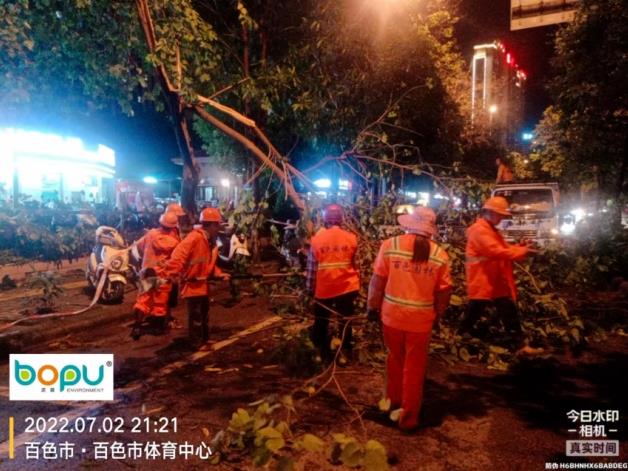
(334, 249)
(156, 247)
(488, 262)
(504, 174)
(194, 260)
(410, 287)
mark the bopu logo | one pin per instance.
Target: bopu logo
(62, 377)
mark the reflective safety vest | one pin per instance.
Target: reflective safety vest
(488, 263)
(410, 287)
(156, 247)
(195, 261)
(334, 249)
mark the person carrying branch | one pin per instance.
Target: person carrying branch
(155, 247)
(489, 271)
(409, 291)
(194, 262)
(333, 280)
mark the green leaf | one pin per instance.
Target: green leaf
(375, 456)
(497, 350)
(352, 454)
(271, 438)
(312, 443)
(384, 404)
(240, 420)
(395, 415)
(464, 354)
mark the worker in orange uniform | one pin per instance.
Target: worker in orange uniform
(489, 270)
(184, 228)
(185, 225)
(194, 261)
(333, 279)
(155, 247)
(409, 291)
(504, 173)
(177, 210)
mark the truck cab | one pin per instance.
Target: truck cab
(534, 211)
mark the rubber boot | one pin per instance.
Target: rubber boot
(195, 326)
(136, 332)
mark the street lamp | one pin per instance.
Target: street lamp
(150, 180)
(491, 111)
(225, 182)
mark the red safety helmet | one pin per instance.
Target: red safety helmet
(176, 209)
(169, 220)
(210, 215)
(333, 214)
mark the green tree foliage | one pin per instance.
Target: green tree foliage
(81, 55)
(312, 74)
(584, 134)
(317, 74)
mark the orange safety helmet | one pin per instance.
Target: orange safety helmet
(176, 209)
(169, 220)
(333, 214)
(210, 215)
(497, 204)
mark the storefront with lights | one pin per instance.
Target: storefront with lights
(50, 167)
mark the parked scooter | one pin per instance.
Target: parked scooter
(110, 258)
(234, 253)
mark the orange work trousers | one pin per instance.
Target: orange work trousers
(405, 372)
(154, 302)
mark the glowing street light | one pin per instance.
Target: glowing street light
(150, 180)
(225, 182)
(491, 112)
(323, 183)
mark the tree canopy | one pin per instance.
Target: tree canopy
(312, 74)
(583, 136)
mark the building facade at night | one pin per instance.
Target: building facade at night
(497, 92)
(49, 167)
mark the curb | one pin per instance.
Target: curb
(26, 337)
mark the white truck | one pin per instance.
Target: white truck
(534, 209)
